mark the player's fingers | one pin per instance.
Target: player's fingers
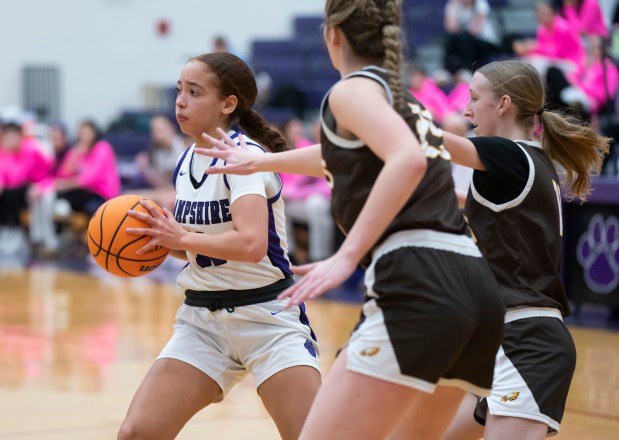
(303, 269)
(218, 154)
(229, 141)
(142, 216)
(243, 141)
(215, 142)
(286, 293)
(140, 231)
(151, 208)
(151, 244)
(312, 288)
(168, 214)
(295, 293)
(217, 170)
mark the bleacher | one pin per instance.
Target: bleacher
(299, 63)
(301, 60)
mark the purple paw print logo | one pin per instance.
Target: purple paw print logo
(598, 254)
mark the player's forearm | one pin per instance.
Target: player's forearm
(306, 161)
(230, 245)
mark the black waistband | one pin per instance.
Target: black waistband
(229, 299)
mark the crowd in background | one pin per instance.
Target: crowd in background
(46, 182)
(570, 49)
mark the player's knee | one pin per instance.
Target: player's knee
(130, 431)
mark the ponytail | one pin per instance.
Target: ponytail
(393, 50)
(577, 147)
(372, 27)
(257, 128)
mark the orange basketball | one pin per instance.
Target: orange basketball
(113, 248)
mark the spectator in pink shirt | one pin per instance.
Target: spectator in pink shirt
(459, 96)
(425, 90)
(41, 197)
(88, 175)
(585, 16)
(308, 201)
(557, 43)
(82, 181)
(22, 163)
(587, 89)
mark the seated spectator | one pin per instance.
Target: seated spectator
(445, 113)
(41, 197)
(471, 38)
(88, 175)
(425, 90)
(22, 163)
(585, 16)
(587, 89)
(156, 165)
(308, 201)
(458, 97)
(557, 43)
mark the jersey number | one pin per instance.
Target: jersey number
(204, 261)
(430, 136)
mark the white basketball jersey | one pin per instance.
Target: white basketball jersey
(203, 205)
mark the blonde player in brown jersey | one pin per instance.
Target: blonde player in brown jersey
(432, 320)
(514, 210)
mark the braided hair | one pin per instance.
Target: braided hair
(373, 30)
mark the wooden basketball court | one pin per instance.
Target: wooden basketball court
(74, 348)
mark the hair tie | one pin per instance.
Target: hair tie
(385, 23)
(539, 113)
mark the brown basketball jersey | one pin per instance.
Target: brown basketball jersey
(514, 211)
(351, 168)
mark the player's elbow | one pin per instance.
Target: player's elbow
(255, 250)
(417, 165)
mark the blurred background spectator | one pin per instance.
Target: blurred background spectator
(471, 37)
(588, 89)
(81, 181)
(585, 16)
(88, 174)
(43, 234)
(557, 43)
(308, 203)
(22, 163)
(425, 90)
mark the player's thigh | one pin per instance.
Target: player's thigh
(170, 394)
(288, 396)
(514, 428)
(463, 425)
(429, 415)
(350, 405)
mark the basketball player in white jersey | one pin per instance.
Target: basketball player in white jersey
(432, 320)
(514, 210)
(231, 229)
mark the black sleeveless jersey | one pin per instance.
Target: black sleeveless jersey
(351, 169)
(514, 211)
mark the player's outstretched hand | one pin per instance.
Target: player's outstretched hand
(164, 229)
(238, 158)
(318, 278)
